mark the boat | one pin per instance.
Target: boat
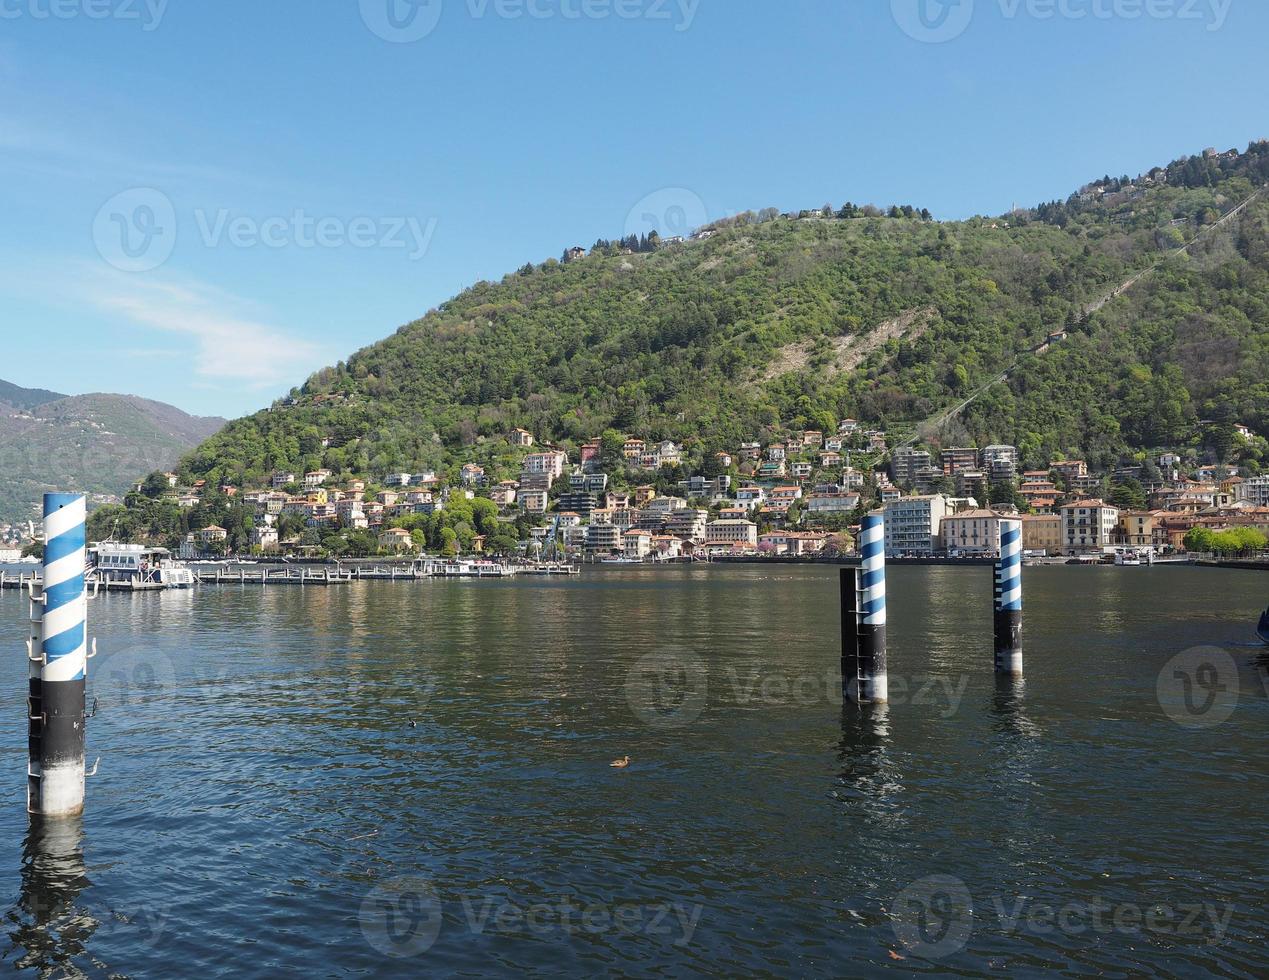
(468, 568)
(134, 566)
(621, 561)
(1127, 556)
(1263, 628)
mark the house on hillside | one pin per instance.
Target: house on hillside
(396, 539)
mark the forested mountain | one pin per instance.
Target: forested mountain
(96, 443)
(25, 398)
(778, 320)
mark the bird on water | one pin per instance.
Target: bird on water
(620, 763)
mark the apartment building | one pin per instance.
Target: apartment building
(913, 524)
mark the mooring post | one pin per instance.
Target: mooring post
(58, 788)
(848, 588)
(1009, 599)
(864, 677)
(34, 698)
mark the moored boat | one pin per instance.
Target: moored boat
(134, 566)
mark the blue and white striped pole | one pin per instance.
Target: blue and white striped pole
(864, 678)
(59, 786)
(1009, 599)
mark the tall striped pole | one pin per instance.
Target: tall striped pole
(864, 678)
(59, 789)
(1009, 599)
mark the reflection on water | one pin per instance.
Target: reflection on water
(48, 929)
(281, 765)
(871, 781)
(1009, 705)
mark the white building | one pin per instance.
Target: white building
(665, 505)
(913, 524)
(689, 524)
(637, 544)
(1088, 525)
(551, 462)
(265, 538)
(732, 532)
(1254, 491)
(604, 539)
(832, 503)
(750, 497)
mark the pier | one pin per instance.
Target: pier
(338, 574)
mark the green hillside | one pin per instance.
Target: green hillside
(776, 321)
(25, 398)
(94, 443)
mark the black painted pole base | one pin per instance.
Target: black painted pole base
(848, 584)
(1009, 641)
(61, 779)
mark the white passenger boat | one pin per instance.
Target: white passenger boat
(466, 568)
(123, 566)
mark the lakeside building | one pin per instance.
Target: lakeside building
(1042, 533)
(396, 539)
(637, 544)
(1143, 529)
(1088, 525)
(913, 524)
(792, 543)
(688, 524)
(604, 539)
(972, 532)
(732, 532)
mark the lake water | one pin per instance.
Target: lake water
(377, 779)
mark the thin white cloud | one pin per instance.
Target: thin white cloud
(229, 344)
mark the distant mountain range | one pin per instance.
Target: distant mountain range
(96, 443)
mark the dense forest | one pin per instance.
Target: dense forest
(765, 323)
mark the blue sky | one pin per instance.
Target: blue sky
(204, 202)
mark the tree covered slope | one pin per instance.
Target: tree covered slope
(95, 443)
(775, 321)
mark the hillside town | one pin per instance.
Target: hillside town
(800, 496)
